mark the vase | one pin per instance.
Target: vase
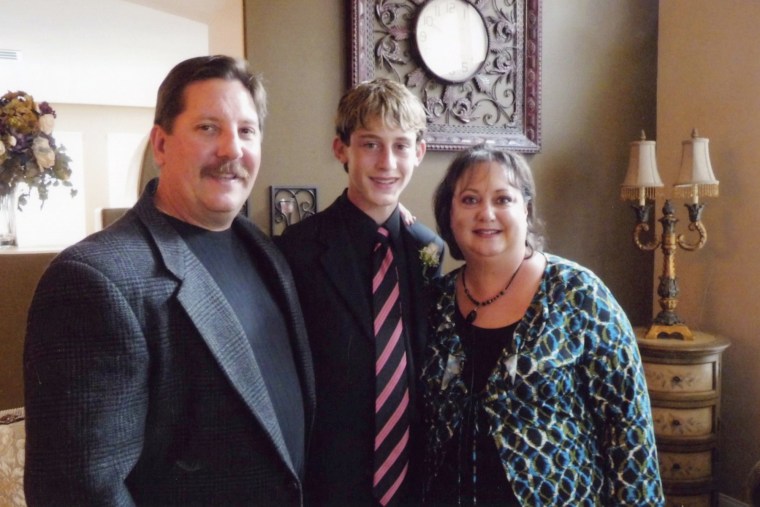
(8, 220)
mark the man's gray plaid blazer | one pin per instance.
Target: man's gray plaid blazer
(141, 387)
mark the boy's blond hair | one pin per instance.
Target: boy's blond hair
(379, 98)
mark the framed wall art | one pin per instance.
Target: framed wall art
(474, 64)
(288, 205)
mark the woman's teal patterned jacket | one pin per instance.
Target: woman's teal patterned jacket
(568, 404)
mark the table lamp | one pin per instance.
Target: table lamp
(643, 184)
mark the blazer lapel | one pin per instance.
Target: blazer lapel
(415, 238)
(220, 329)
(215, 321)
(414, 272)
(344, 274)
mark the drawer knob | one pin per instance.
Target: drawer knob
(676, 467)
(676, 379)
(676, 422)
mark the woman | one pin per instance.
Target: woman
(534, 390)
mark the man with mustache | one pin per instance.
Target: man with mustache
(166, 361)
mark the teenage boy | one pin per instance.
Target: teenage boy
(365, 318)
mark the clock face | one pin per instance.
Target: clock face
(474, 64)
(452, 39)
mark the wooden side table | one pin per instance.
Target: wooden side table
(683, 379)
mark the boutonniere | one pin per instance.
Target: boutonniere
(430, 257)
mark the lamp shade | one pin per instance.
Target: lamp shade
(696, 177)
(642, 179)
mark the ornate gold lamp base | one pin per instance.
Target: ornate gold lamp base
(667, 324)
(678, 331)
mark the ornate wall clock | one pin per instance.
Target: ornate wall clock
(475, 64)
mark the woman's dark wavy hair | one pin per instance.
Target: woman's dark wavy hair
(170, 101)
(520, 176)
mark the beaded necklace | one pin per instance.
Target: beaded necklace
(480, 304)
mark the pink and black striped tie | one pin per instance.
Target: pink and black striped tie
(391, 390)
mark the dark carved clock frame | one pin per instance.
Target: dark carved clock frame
(500, 104)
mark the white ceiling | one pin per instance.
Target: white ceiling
(113, 52)
(197, 10)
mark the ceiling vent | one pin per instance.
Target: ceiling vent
(10, 54)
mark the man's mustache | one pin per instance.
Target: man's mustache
(228, 168)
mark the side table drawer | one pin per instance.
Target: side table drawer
(680, 378)
(685, 466)
(683, 422)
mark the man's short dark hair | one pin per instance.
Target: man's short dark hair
(170, 101)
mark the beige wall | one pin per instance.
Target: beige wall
(225, 30)
(96, 123)
(599, 64)
(709, 71)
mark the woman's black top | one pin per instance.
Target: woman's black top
(472, 472)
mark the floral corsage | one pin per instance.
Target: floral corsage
(430, 256)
